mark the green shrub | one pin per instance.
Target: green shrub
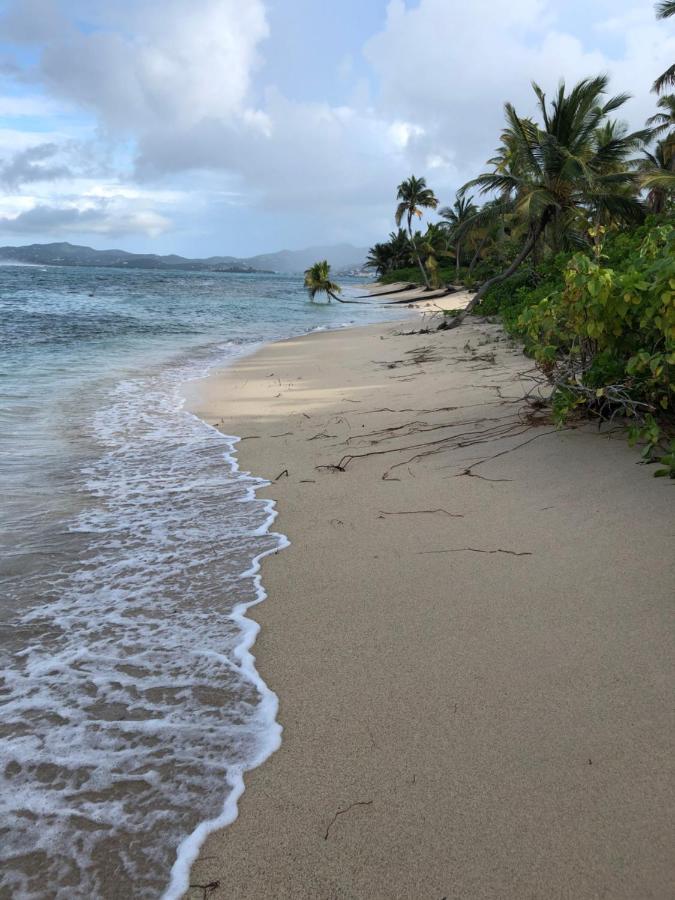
(446, 275)
(606, 338)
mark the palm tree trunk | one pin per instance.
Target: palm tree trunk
(476, 255)
(529, 246)
(457, 255)
(419, 258)
(339, 299)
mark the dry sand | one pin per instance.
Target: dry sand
(470, 635)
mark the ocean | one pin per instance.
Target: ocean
(129, 552)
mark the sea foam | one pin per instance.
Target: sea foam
(134, 708)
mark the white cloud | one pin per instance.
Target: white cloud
(179, 64)
(64, 221)
(449, 68)
(178, 90)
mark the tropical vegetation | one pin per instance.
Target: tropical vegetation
(573, 246)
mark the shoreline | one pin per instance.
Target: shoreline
(190, 847)
(279, 846)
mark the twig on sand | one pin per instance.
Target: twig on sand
(282, 475)
(471, 474)
(345, 810)
(418, 512)
(476, 550)
(206, 888)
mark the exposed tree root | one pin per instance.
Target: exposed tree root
(427, 448)
(415, 427)
(505, 452)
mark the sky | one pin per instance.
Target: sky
(237, 127)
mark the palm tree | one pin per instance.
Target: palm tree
(657, 172)
(664, 121)
(401, 251)
(396, 253)
(414, 196)
(456, 216)
(380, 258)
(664, 10)
(317, 281)
(431, 246)
(559, 174)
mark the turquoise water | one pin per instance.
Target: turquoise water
(129, 547)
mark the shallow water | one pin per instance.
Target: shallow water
(129, 547)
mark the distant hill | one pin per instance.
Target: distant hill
(341, 257)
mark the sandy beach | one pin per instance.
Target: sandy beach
(470, 634)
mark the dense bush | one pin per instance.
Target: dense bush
(601, 327)
(446, 275)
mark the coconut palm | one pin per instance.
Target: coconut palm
(414, 196)
(317, 281)
(380, 258)
(662, 122)
(561, 172)
(664, 10)
(431, 247)
(456, 216)
(396, 253)
(657, 175)
(401, 251)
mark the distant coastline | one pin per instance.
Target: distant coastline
(343, 257)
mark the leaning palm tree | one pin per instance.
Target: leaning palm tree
(561, 170)
(414, 196)
(455, 217)
(664, 10)
(317, 281)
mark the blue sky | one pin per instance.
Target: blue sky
(217, 126)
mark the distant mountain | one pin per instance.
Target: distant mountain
(341, 257)
(65, 254)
